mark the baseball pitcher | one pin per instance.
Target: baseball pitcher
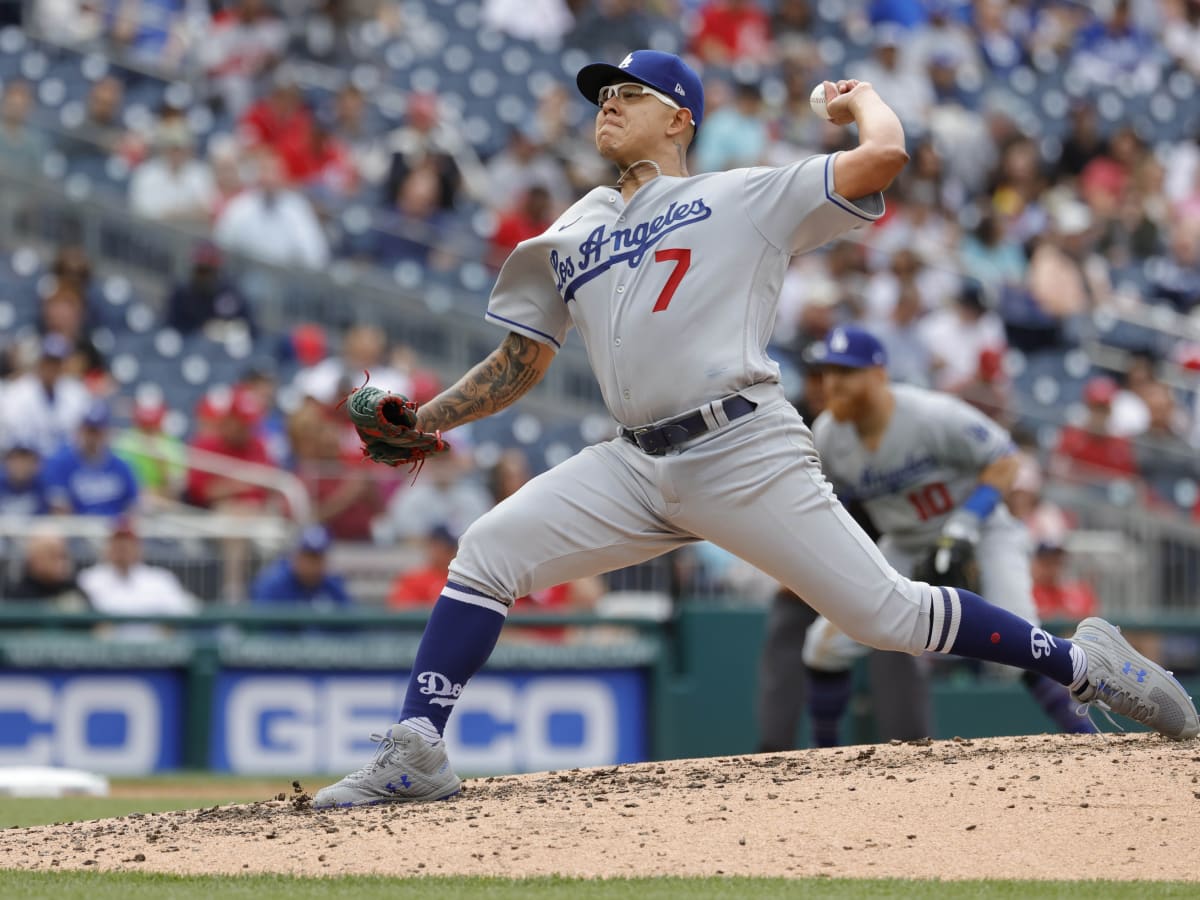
(672, 281)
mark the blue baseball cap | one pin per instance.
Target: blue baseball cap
(314, 539)
(55, 346)
(850, 347)
(97, 415)
(664, 72)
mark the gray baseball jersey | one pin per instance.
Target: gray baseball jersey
(927, 463)
(675, 292)
(674, 295)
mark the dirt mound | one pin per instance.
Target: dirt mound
(1062, 807)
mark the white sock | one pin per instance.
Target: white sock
(1078, 667)
(424, 728)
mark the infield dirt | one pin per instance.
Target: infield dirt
(1056, 807)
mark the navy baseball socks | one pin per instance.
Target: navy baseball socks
(1097, 665)
(460, 636)
(411, 763)
(965, 624)
(828, 696)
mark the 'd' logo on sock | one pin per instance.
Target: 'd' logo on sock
(1040, 643)
(441, 689)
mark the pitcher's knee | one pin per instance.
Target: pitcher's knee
(489, 562)
(900, 622)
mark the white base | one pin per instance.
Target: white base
(48, 781)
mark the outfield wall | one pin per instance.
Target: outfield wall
(233, 693)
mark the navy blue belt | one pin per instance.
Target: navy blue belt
(658, 439)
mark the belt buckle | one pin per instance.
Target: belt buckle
(645, 446)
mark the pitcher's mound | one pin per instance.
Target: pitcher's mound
(1055, 807)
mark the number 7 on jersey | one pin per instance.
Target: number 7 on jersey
(682, 259)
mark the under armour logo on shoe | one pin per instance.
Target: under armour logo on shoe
(405, 782)
(1128, 670)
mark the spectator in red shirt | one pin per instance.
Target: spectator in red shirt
(231, 433)
(341, 484)
(281, 121)
(422, 585)
(1091, 452)
(989, 390)
(235, 419)
(529, 218)
(322, 164)
(1056, 596)
(730, 31)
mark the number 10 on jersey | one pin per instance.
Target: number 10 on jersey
(931, 500)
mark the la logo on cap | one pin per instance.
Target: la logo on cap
(626, 62)
(679, 90)
(839, 342)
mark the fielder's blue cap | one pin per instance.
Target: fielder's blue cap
(664, 72)
(851, 347)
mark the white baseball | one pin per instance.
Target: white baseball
(817, 101)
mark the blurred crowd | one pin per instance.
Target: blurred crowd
(1055, 181)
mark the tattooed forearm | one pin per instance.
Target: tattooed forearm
(508, 373)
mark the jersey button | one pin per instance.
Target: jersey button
(625, 394)
(612, 198)
(620, 288)
(620, 218)
(617, 342)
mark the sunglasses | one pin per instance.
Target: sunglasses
(632, 90)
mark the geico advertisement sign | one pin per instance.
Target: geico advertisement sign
(125, 724)
(500, 723)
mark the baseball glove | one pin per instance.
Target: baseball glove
(387, 425)
(950, 562)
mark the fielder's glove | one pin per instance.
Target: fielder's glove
(387, 425)
(951, 561)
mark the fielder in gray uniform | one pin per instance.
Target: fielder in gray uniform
(673, 282)
(927, 468)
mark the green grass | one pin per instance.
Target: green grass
(105, 886)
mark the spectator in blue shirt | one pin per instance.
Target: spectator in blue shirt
(302, 577)
(87, 478)
(22, 486)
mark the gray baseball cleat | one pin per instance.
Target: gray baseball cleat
(406, 769)
(1121, 680)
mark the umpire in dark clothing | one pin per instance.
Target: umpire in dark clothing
(207, 296)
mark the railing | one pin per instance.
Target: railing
(1139, 563)
(279, 481)
(186, 541)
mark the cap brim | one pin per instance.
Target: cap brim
(845, 362)
(594, 76)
